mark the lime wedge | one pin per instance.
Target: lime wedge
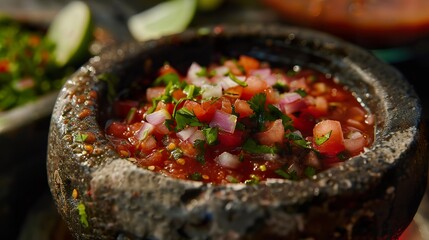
(71, 31)
(165, 18)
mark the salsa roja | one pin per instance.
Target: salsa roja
(240, 121)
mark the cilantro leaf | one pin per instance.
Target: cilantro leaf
(211, 135)
(82, 215)
(200, 146)
(257, 104)
(322, 139)
(251, 146)
(185, 117)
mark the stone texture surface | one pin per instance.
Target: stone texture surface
(371, 196)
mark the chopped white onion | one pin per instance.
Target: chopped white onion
(228, 160)
(224, 121)
(158, 117)
(186, 133)
(227, 82)
(221, 71)
(211, 91)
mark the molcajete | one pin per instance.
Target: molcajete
(103, 196)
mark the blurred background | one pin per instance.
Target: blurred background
(396, 31)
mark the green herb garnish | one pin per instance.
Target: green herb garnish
(322, 139)
(251, 146)
(80, 137)
(236, 80)
(211, 135)
(82, 215)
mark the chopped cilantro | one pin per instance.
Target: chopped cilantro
(169, 78)
(298, 140)
(185, 117)
(257, 104)
(251, 146)
(286, 175)
(82, 215)
(275, 113)
(309, 171)
(211, 135)
(200, 146)
(322, 139)
(196, 176)
(281, 87)
(176, 153)
(301, 92)
(80, 137)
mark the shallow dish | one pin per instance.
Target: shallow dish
(371, 196)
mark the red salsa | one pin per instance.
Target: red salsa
(240, 121)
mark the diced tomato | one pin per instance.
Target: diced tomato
(154, 92)
(304, 122)
(196, 108)
(121, 108)
(167, 106)
(273, 96)
(178, 94)
(248, 63)
(330, 134)
(117, 129)
(148, 144)
(254, 85)
(242, 108)
(320, 107)
(230, 139)
(4, 66)
(226, 105)
(210, 108)
(274, 133)
(233, 67)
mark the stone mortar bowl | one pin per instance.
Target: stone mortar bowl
(371, 196)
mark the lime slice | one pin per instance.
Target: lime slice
(165, 18)
(71, 31)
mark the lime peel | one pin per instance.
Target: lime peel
(165, 18)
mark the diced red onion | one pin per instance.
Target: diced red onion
(145, 131)
(211, 91)
(228, 160)
(186, 133)
(289, 97)
(224, 121)
(192, 75)
(197, 135)
(158, 117)
(262, 72)
(292, 107)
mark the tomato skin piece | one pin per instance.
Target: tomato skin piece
(334, 143)
(230, 139)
